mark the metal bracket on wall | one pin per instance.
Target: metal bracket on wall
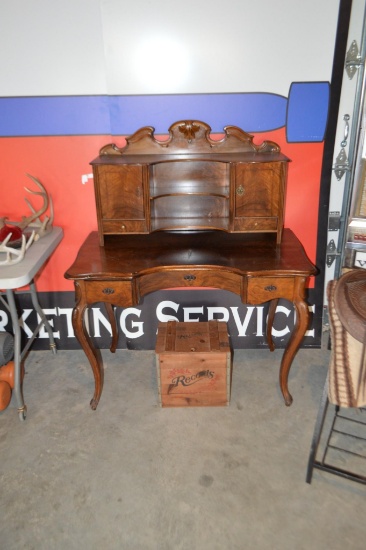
(353, 60)
(332, 253)
(334, 221)
(341, 165)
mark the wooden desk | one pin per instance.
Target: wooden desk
(250, 265)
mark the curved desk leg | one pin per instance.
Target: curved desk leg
(112, 320)
(86, 343)
(301, 325)
(270, 319)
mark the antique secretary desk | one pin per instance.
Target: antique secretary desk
(190, 211)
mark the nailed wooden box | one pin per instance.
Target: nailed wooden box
(193, 364)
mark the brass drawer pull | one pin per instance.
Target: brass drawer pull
(270, 288)
(189, 277)
(240, 190)
(108, 290)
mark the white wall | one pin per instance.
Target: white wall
(51, 48)
(77, 47)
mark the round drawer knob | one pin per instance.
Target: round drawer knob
(123, 227)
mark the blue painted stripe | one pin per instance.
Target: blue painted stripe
(307, 111)
(120, 115)
(54, 116)
(254, 112)
(304, 113)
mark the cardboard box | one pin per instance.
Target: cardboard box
(194, 364)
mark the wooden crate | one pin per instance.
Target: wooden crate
(193, 364)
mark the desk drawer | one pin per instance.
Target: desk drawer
(115, 227)
(255, 224)
(263, 289)
(190, 278)
(116, 292)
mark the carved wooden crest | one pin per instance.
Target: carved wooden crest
(190, 136)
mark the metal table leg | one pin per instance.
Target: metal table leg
(18, 353)
(18, 390)
(318, 431)
(42, 316)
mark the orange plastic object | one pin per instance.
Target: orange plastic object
(5, 394)
(7, 373)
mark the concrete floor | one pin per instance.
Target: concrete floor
(137, 477)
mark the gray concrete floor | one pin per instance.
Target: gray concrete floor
(137, 477)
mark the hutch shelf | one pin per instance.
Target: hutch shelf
(190, 182)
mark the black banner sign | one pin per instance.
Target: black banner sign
(138, 325)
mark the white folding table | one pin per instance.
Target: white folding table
(16, 276)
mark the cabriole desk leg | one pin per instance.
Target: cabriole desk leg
(112, 320)
(270, 319)
(86, 343)
(301, 325)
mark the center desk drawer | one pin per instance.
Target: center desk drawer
(190, 278)
(263, 289)
(114, 292)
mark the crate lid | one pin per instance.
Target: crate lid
(192, 337)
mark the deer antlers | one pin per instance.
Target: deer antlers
(33, 221)
(34, 218)
(15, 255)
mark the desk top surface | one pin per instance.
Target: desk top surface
(21, 274)
(128, 256)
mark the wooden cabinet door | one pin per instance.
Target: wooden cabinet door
(259, 196)
(121, 191)
(121, 198)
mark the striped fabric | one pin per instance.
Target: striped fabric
(347, 368)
